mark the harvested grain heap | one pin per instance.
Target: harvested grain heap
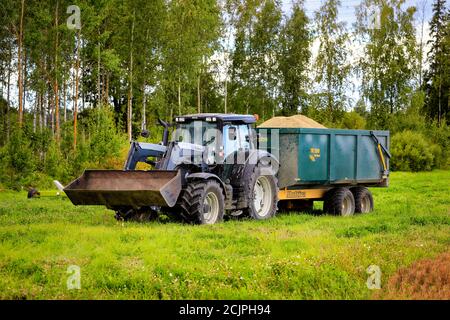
(297, 121)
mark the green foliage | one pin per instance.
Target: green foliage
(387, 67)
(293, 61)
(104, 140)
(35, 159)
(440, 136)
(17, 160)
(353, 120)
(54, 164)
(332, 66)
(411, 151)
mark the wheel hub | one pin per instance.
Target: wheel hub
(210, 208)
(262, 196)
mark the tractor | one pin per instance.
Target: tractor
(207, 167)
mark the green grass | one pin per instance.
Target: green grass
(293, 256)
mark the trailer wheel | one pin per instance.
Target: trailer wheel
(262, 195)
(363, 199)
(202, 202)
(339, 201)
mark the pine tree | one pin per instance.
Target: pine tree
(437, 79)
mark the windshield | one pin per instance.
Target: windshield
(192, 139)
(195, 132)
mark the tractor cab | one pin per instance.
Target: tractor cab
(207, 140)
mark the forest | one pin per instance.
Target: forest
(80, 79)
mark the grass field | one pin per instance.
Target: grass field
(293, 256)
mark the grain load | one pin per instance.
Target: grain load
(296, 121)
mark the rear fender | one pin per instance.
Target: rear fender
(267, 163)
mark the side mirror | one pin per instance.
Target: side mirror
(145, 133)
(232, 133)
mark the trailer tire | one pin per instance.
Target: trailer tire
(265, 188)
(363, 199)
(339, 201)
(202, 202)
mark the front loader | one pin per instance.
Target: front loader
(209, 167)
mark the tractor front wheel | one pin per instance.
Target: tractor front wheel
(203, 202)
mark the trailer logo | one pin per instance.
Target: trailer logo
(295, 194)
(314, 153)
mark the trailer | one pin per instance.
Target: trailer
(325, 164)
(217, 164)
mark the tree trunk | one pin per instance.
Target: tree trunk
(439, 100)
(52, 111)
(35, 111)
(130, 91)
(8, 121)
(24, 74)
(226, 96)
(99, 98)
(179, 95)
(41, 107)
(44, 110)
(75, 104)
(199, 100)
(19, 65)
(56, 90)
(64, 99)
(107, 90)
(144, 107)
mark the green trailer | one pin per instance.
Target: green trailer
(328, 164)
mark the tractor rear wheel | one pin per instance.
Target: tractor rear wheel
(363, 199)
(202, 202)
(262, 195)
(339, 201)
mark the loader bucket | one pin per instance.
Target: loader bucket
(116, 188)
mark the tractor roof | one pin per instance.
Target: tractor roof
(245, 118)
